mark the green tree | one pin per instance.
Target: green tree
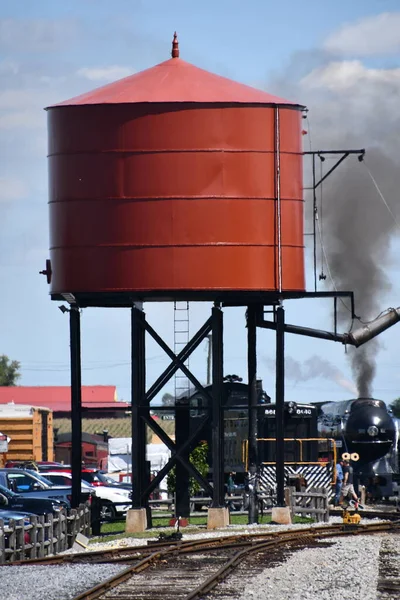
(198, 458)
(9, 371)
(395, 406)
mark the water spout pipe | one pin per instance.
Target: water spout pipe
(355, 338)
(370, 330)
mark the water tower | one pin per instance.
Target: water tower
(177, 184)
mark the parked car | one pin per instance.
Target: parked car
(98, 478)
(7, 515)
(38, 505)
(43, 467)
(34, 465)
(111, 498)
(26, 482)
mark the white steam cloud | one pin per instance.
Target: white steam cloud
(353, 106)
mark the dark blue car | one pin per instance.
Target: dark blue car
(11, 502)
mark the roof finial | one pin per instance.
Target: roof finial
(175, 47)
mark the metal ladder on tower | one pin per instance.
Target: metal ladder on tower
(181, 338)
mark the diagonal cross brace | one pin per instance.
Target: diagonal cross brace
(164, 437)
(177, 456)
(177, 361)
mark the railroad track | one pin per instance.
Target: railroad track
(133, 553)
(189, 570)
(129, 553)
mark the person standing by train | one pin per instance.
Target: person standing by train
(339, 482)
(231, 488)
(348, 487)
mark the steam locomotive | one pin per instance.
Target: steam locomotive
(363, 428)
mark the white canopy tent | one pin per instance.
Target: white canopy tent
(120, 455)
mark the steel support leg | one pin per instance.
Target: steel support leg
(139, 467)
(76, 404)
(182, 431)
(252, 403)
(280, 405)
(217, 410)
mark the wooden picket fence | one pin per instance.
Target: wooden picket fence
(41, 536)
(314, 502)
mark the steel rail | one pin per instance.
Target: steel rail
(113, 553)
(129, 553)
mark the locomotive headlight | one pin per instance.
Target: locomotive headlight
(373, 431)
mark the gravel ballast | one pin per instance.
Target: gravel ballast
(52, 582)
(349, 569)
(345, 571)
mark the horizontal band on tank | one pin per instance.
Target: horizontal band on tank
(183, 198)
(192, 245)
(124, 298)
(171, 151)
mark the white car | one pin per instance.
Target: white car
(112, 499)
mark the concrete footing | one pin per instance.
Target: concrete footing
(136, 520)
(281, 515)
(217, 517)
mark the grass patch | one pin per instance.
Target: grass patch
(116, 529)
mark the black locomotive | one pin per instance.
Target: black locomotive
(363, 428)
(300, 426)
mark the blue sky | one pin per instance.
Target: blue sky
(340, 58)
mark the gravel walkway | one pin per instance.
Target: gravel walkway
(347, 570)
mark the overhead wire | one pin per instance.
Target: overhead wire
(381, 194)
(64, 367)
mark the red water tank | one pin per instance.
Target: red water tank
(172, 180)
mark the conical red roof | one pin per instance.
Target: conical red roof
(175, 81)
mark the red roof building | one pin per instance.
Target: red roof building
(95, 399)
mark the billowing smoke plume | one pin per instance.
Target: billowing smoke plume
(313, 368)
(352, 106)
(358, 232)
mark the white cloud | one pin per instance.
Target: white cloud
(12, 189)
(111, 73)
(377, 34)
(352, 104)
(20, 98)
(25, 119)
(8, 66)
(23, 107)
(36, 35)
(342, 75)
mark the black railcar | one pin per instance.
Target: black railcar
(300, 427)
(301, 443)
